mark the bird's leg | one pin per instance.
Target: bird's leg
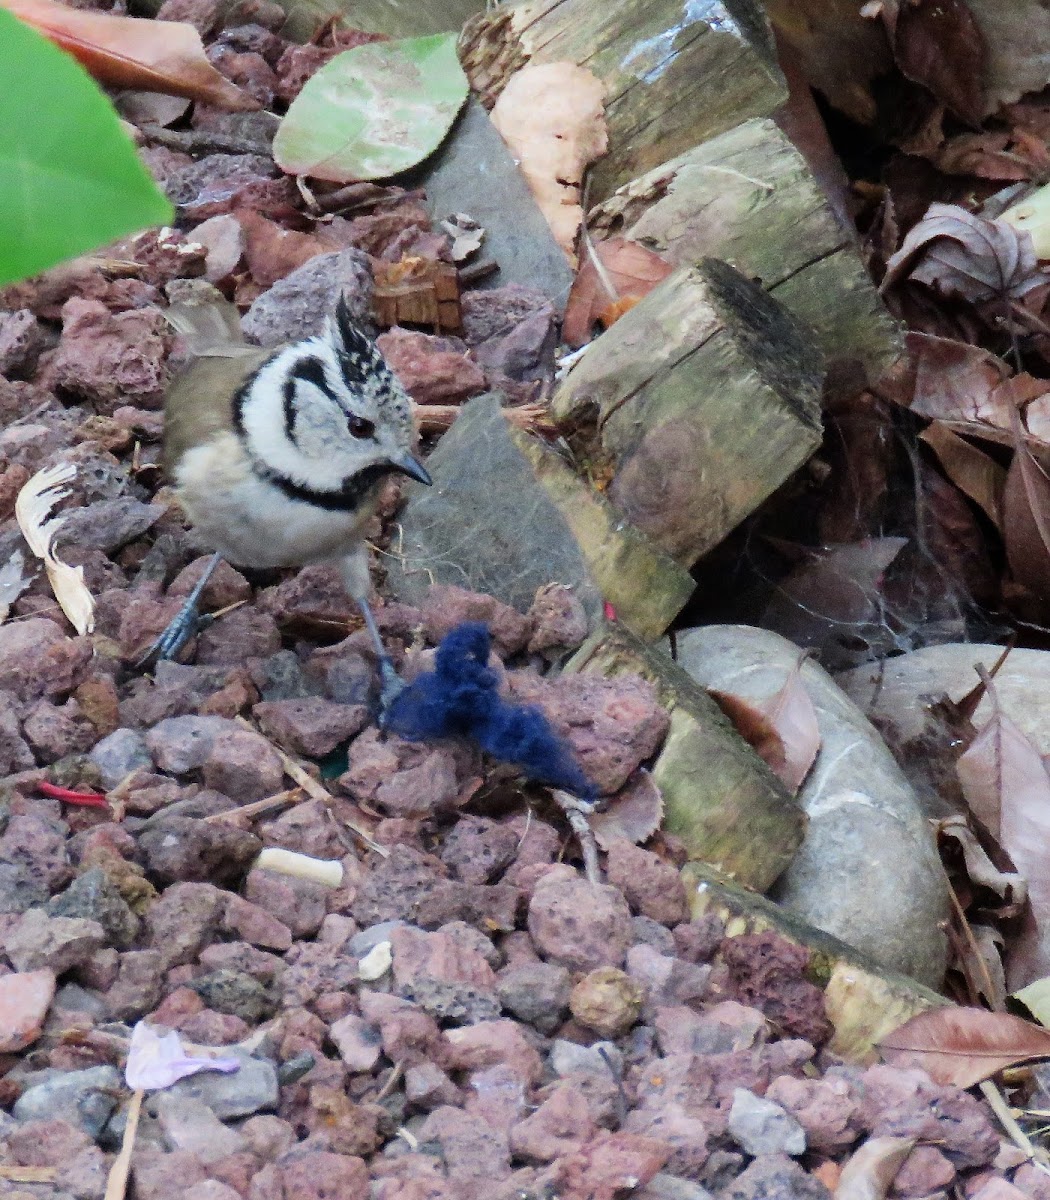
(358, 583)
(186, 622)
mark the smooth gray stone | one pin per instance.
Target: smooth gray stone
(486, 524)
(119, 753)
(250, 1089)
(473, 172)
(93, 897)
(868, 871)
(85, 1099)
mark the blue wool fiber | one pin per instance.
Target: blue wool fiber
(459, 699)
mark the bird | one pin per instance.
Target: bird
(277, 455)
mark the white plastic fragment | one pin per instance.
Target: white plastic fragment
(302, 866)
(375, 963)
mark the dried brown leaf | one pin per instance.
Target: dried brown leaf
(835, 595)
(552, 117)
(951, 380)
(631, 269)
(782, 729)
(754, 726)
(634, 813)
(1006, 784)
(937, 43)
(1009, 886)
(963, 1046)
(973, 472)
(1006, 155)
(960, 254)
(871, 1170)
(133, 52)
(1026, 520)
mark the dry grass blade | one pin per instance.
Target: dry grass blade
(257, 807)
(28, 1174)
(33, 508)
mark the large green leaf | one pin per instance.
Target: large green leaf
(70, 179)
(373, 111)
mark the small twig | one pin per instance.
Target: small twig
(436, 418)
(588, 245)
(258, 806)
(576, 812)
(117, 1183)
(393, 1079)
(478, 270)
(354, 195)
(998, 1105)
(201, 141)
(29, 1174)
(972, 943)
(616, 1071)
(315, 790)
(221, 612)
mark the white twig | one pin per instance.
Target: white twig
(576, 812)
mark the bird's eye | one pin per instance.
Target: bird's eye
(359, 427)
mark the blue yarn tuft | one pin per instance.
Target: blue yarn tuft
(459, 699)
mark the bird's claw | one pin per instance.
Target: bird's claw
(186, 623)
(391, 685)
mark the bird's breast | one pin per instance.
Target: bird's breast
(249, 520)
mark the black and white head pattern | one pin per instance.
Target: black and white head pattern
(321, 418)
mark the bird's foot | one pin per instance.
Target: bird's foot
(391, 685)
(186, 623)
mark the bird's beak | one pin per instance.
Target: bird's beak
(412, 467)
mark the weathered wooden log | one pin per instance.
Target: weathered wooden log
(507, 515)
(894, 907)
(863, 1001)
(672, 76)
(697, 404)
(720, 798)
(747, 196)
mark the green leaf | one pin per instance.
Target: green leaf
(70, 178)
(373, 111)
(1036, 998)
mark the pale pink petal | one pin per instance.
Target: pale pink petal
(156, 1061)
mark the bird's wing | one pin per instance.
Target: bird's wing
(210, 325)
(199, 403)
